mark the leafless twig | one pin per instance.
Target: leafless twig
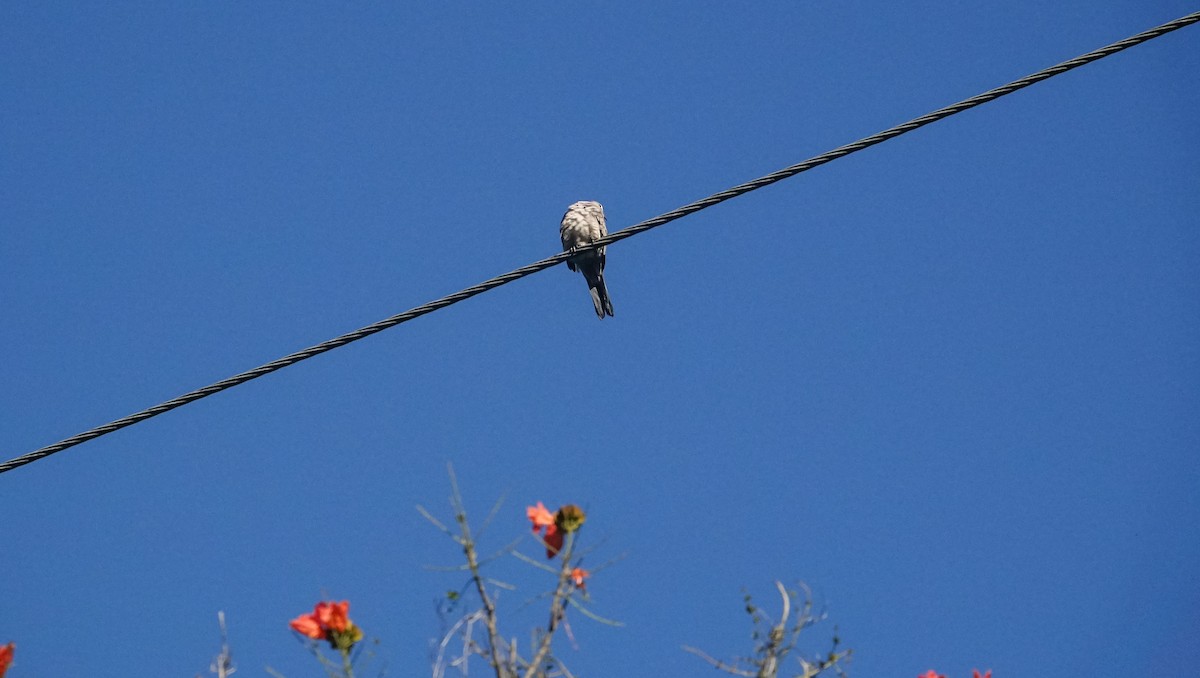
(223, 664)
(489, 607)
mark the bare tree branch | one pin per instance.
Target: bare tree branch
(717, 663)
(489, 608)
(556, 607)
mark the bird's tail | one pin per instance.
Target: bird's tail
(600, 296)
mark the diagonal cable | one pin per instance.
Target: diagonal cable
(548, 262)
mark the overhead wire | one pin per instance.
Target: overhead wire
(618, 236)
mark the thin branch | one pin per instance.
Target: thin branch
(501, 584)
(534, 562)
(436, 523)
(331, 669)
(771, 652)
(223, 663)
(563, 668)
(467, 621)
(446, 568)
(508, 548)
(556, 606)
(592, 615)
(717, 663)
(489, 608)
(492, 514)
(787, 606)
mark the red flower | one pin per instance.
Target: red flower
(333, 616)
(328, 621)
(6, 655)
(976, 674)
(308, 625)
(931, 674)
(543, 520)
(578, 575)
(554, 541)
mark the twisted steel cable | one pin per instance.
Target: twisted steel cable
(629, 232)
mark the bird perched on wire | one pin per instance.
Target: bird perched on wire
(581, 225)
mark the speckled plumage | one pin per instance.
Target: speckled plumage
(583, 224)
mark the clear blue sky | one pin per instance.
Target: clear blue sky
(951, 382)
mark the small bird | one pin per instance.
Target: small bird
(581, 225)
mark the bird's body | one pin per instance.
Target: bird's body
(583, 224)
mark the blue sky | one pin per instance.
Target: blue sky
(951, 382)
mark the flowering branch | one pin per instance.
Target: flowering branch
(556, 607)
(330, 622)
(557, 533)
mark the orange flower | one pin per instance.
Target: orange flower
(6, 656)
(308, 625)
(333, 616)
(539, 516)
(976, 674)
(329, 621)
(931, 674)
(578, 575)
(546, 522)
